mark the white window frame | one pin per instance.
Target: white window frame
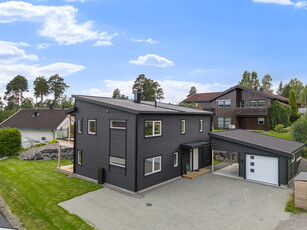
(88, 127)
(225, 104)
(153, 165)
(223, 125)
(118, 165)
(263, 121)
(182, 124)
(292, 160)
(299, 158)
(228, 118)
(176, 155)
(153, 128)
(80, 153)
(118, 127)
(217, 104)
(201, 124)
(80, 126)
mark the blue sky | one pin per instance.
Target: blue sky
(98, 46)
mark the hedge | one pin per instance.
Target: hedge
(279, 114)
(10, 141)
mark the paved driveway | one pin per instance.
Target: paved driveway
(207, 202)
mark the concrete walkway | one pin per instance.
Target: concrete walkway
(229, 171)
(206, 202)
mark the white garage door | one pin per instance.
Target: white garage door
(261, 168)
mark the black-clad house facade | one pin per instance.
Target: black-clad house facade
(138, 145)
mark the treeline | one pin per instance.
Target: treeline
(15, 100)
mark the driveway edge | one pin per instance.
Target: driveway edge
(12, 219)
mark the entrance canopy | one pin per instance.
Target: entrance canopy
(196, 144)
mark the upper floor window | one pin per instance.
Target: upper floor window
(116, 124)
(91, 127)
(252, 104)
(200, 125)
(260, 103)
(224, 104)
(80, 125)
(153, 128)
(175, 159)
(182, 130)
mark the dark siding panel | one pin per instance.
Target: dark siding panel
(167, 144)
(118, 143)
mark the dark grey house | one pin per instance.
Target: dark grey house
(139, 144)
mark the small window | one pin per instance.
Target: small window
(252, 157)
(182, 130)
(152, 165)
(252, 163)
(227, 104)
(292, 158)
(153, 128)
(79, 157)
(92, 127)
(220, 122)
(227, 122)
(260, 103)
(220, 104)
(80, 125)
(252, 104)
(201, 126)
(242, 104)
(114, 124)
(116, 161)
(252, 170)
(260, 120)
(175, 159)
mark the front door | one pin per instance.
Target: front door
(195, 159)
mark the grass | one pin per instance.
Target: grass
(217, 162)
(290, 207)
(217, 130)
(287, 135)
(33, 190)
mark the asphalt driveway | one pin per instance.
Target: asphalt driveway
(207, 202)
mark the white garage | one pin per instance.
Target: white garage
(262, 168)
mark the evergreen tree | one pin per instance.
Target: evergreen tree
(303, 97)
(297, 86)
(293, 106)
(193, 91)
(286, 91)
(118, 95)
(280, 88)
(150, 89)
(57, 86)
(41, 88)
(15, 89)
(267, 83)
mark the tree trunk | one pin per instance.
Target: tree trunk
(42, 99)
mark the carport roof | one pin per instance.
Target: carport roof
(259, 141)
(195, 144)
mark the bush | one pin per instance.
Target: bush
(52, 141)
(10, 142)
(299, 130)
(280, 128)
(279, 114)
(304, 152)
(40, 144)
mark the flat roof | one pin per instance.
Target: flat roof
(260, 141)
(302, 176)
(142, 107)
(195, 144)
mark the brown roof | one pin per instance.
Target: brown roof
(46, 119)
(201, 97)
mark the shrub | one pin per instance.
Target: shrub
(10, 142)
(40, 144)
(280, 128)
(304, 152)
(279, 114)
(52, 141)
(299, 130)
(293, 106)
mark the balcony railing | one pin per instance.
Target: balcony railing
(252, 111)
(64, 134)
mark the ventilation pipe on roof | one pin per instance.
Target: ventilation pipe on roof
(137, 96)
(262, 89)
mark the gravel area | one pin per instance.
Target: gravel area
(33, 151)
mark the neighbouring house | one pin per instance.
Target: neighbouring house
(39, 125)
(135, 144)
(239, 106)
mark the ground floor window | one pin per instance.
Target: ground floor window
(175, 159)
(116, 161)
(227, 122)
(260, 120)
(79, 157)
(152, 165)
(220, 122)
(223, 122)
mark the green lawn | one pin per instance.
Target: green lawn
(287, 135)
(290, 207)
(217, 162)
(32, 190)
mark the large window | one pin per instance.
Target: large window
(91, 127)
(80, 125)
(116, 124)
(200, 125)
(224, 104)
(152, 165)
(153, 128)
(79, 160)
(227, 104)
(227, 122)
(220, 104)
(175, 159)
(220, 122)
(116, 161)
(260, 120)
(260, 103)
(252, 104)
(182, 124)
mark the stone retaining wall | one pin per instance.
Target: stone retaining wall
(225, 156)
(47, 152)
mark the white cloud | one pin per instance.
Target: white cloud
(43, 46)
(74, 0)
(10, 53)
(201, 71)
(152, 60)
(58, 22)
(174, 91)
(298, 4)
(149, 40)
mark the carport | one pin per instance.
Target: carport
(262, 158)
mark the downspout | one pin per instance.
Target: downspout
(136, 154)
